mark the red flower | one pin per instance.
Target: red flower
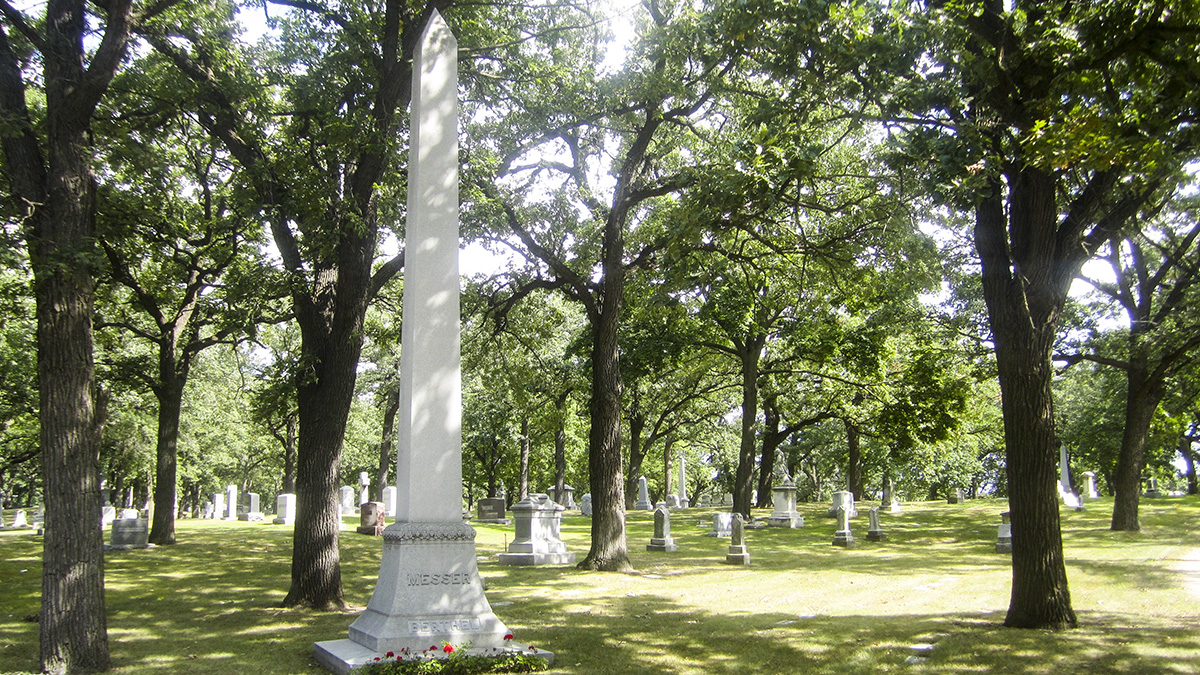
(391, 654)
(508, 636)
(376, 658)
(432, 648)
(447, 649)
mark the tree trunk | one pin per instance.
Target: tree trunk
(667, 443)
(771, 438)
(523, 478)
(1024, 299)
(609, 550)
(744, 480)
(560, 452)
(1141, 401)
(387, 444)
(1189, 459)
(55, 190)
(637, 454)
(289, 456)
(170, 403)
(854, 479)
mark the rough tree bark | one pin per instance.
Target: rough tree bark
(57, 188)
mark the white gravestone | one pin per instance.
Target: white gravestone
(1069, 497)
(231, 501)
(429, 589)
(218, 501)
(737, 554)
(285, 509)
(346, 500)
(19, 520)
(843, 499)
(662, 539)
(389, 500)
(889, 496)
(785, 514)
(108, 513)
(1004, 534)
(843, 537)
(1092, 492)
(874, 531)
(643, 499)
(672, 501)
(722, 525)
(585, 505)
(537, 541)
(364, 487)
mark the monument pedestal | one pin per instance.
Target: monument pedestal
(429, 592)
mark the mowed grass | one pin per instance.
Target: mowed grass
(210, 604)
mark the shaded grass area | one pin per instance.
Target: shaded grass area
(210, 603)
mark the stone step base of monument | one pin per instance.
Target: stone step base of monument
(536, 558)
(844, 539)
(667, 545)
(343, 656)
(873, 535)
(791, 522)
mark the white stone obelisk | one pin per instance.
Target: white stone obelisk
(429, 590)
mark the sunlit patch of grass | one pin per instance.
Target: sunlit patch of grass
(209, 604)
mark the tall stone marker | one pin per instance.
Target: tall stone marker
(429, 589)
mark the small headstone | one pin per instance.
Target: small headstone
(1152, 490)
(737, 553)
(785, 514)
(955, 497)
(672, 501)
(346, 494)
(253, 511)
(231, 501)
(218, 501)
(1091, 492)
(1004, 534)
(129, 533)
(727, 499)
(890, 500)
(843, 499)
(643, 500)
(20, 520)
(585, 505)
(371, 518)
(128, 514)
(490, 510)
(703, 501)
(389, 500)
(875, 532)
(662, 539)
(108, 513)
(843, 537)
(537, 540)
(285, 509)
(722, 525)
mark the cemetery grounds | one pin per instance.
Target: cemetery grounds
(929, 600)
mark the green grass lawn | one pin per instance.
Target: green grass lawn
(209, 604)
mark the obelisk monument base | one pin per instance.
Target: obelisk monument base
(429, 593)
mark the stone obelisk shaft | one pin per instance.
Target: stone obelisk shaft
(429, 443)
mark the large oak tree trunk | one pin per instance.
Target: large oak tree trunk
(609, 550)
(1024, 301)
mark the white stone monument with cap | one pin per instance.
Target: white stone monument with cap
(429, 589)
